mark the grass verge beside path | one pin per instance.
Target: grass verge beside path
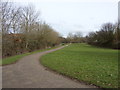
(13, 59)
(86, 63)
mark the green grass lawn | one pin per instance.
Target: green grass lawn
(86, 63)
(13, 59)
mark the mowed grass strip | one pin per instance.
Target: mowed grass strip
(13, 59)
(86, 63)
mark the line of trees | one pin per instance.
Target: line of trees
(108, 36)
(22, 31)
(76, 37)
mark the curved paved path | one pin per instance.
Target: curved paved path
(28, 73)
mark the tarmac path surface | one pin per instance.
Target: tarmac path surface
(29, 73)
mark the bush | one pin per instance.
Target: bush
(107, 36)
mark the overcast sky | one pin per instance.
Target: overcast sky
(76, 15)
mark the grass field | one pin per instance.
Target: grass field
(13, 59)
(86, 63)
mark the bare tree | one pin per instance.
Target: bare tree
(29, 19)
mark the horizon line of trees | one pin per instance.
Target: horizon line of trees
(108, 36)
(22, 31)
(76, 37)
